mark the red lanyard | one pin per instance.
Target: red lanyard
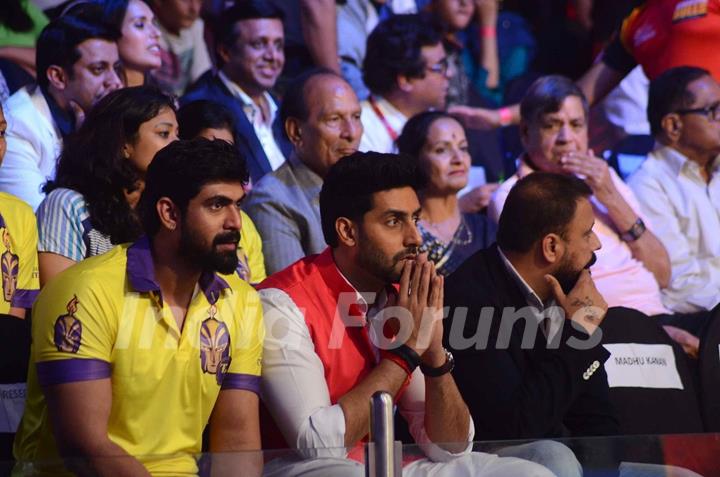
(381, 117)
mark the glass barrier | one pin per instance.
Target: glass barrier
(688, 455)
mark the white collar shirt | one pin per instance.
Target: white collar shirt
(263, 129)
(685, 213)
(539, 310)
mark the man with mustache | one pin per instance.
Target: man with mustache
(321, 116)
(633, 265)
(137, 350)
(331, 342)
(527, 369)
(250, 46)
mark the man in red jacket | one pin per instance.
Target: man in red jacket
(332, 340)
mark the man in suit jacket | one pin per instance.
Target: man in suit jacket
(77, 64)
(250, 46)
(321, 115)
(541, 375)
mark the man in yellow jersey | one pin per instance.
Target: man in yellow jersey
(19, 267)
(18, 248)
(137, 350)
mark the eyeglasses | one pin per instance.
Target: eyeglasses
(712, 111)
(441, 67)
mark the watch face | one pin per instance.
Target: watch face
(635, 231)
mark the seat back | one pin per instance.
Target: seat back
(651, 381)
(709, 372)
(15, 346)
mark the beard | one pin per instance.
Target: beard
(567, 276)
(372, 260)
(211, 260)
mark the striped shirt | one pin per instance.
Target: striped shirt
(64, 227)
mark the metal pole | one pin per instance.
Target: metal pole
(381, 458)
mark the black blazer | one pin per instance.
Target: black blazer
(516, 393)
(209, 86)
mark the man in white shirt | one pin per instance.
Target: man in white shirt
(678, 186)
(406, 70)
(335, 349)
(250, 46)
(77, 65)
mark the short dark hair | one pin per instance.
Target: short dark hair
(243, 10)
(349, 186)
(669, 92)
(539, 204)
(394, 48)
(294, 104)
(58, 42)
(202, 114)
(108, 13)
(546, 95)
(181, 169)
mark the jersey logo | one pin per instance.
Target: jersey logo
(214, 346)
(68, 329)
(10, 264)
(243, 266)
(689, 9)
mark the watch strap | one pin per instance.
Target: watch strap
(439, 371)
(634, 233)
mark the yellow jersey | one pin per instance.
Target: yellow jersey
(251, 264)
(18, 254)
(105, 318)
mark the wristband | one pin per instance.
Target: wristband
(506, 116)
(439, 371)
(488, 32)
(404, 356)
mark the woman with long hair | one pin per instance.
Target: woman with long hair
(100, 175)
(438, 142)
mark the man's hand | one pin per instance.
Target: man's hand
(487, 11)
(594, 171)
(78, 113)
(421, 294)
(584, 304)
(476, 118)
(435, 354)
(477, 199)
(690, 343)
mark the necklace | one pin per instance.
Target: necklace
(462, 236)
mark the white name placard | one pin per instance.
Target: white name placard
(634, 365)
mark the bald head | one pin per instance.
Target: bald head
(321, 114)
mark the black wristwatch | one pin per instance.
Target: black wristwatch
(637, 229)
(439, 371)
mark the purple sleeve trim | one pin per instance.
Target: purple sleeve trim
(71, 370)
(242, 381)
(24, 298)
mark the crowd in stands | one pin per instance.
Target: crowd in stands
(226, 224)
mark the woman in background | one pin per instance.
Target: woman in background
(139, 43)
(100, 175)
(438, 142)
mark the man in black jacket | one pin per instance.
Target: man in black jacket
(524, 319)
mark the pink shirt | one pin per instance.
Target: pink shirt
(619, 277)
